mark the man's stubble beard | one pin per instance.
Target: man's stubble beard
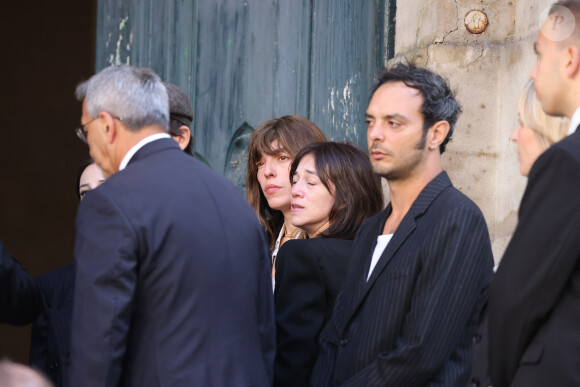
(403, 172)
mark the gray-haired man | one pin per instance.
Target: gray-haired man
(172, 284)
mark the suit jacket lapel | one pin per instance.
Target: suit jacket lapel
(367, 243)
(405, 229)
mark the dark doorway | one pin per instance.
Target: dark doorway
(47, 48)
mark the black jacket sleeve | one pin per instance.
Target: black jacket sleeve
(20, 300)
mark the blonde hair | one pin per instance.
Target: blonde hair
(548, 129)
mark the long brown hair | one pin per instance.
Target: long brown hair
(292, 133)
(357, 189)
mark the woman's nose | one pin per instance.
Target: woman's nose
(269, 170)
(514, 134)
(296, 190)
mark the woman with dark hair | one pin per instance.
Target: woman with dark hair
(272, 148)
(334, 189)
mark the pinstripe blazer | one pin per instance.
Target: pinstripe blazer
(411, 324)
(50, 336)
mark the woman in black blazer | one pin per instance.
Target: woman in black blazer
(334, 189)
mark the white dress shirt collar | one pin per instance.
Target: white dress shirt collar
(140, 145)
(574, 121)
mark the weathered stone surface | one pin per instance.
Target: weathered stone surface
(422, 23)
(488, 71)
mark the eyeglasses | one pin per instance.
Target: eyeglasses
(82, 132)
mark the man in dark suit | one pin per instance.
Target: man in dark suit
(20, 300)
(534, 304)
(172, 268)
(50, 336)
(406, 312)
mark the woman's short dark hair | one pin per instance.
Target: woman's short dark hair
(292, 133)
(439, 103)
(357, 189)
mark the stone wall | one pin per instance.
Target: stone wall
(488, 70)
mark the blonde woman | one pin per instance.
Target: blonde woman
(536, 130)
(535, 133)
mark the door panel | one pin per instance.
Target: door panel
(244, 62)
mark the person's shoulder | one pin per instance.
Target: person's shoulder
(569, 143)
(566, 151)
(558, 166)
(373, 221)
(456, 204)
(315, 244)
(329, 243)
(56, 280)
(295, 245)
(376, 217)
(321, 252)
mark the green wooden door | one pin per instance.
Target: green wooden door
(246, 61)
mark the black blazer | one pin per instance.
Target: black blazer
(534, 305)
(480, 368)
(309, 274)
(173, 279)
(50, 338)
(20, 301)
(412, 323)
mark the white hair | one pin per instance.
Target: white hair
(135, 95)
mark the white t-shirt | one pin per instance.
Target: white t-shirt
(382, 242)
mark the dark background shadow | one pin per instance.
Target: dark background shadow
(47, 49)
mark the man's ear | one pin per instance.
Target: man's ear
(183, 137)
(572, 61)
(110, 126)
(437, 134)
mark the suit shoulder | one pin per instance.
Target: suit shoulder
(296, 246)
(315, 248)
(569, 144)
(54, 277)
(55, 284)
(453, 198)
(372, 221)
(565, 154)
(329, 244)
